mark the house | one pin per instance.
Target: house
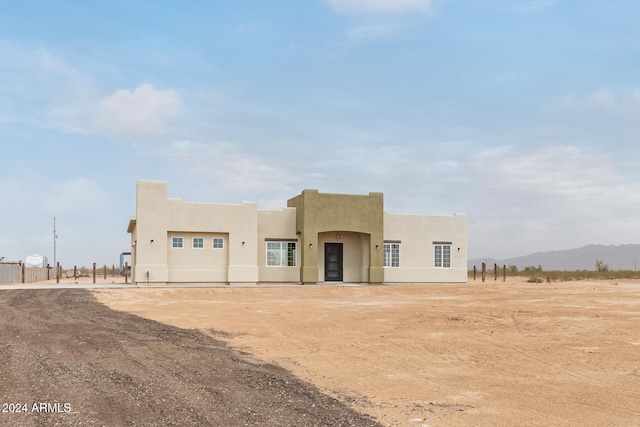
(317, 238)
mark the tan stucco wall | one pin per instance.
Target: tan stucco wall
(189, 265)
(311, 219)
(158, 217)
(277, 225)
(417, 234)
(320, 212)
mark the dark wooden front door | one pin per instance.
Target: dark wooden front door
(333, 262)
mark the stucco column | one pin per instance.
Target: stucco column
(309, 269)
(376, 248)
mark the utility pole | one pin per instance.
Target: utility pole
(55, 238)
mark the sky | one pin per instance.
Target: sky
(523, 114)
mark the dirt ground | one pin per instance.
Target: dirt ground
(67, 360)
(487, 354)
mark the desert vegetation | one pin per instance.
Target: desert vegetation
(537, 274)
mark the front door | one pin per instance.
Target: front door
(333, 262)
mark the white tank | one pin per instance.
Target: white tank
(36, 260)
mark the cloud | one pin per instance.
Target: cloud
(379, 19)
(626, 105)
(141, 112)
(35, 195)
(84, 219)
(228, 166)
(78, 195)
(554, 196)
(559, 176)
(48, 92)
(602, 99)
(379, 6)
(41, 89)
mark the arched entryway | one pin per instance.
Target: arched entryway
(343, 256)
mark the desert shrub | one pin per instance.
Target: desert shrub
(601, 266)
(535, 279)
(571, 275)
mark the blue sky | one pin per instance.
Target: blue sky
(523, 114)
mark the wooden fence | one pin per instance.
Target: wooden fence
(17, 272)
(496, 269)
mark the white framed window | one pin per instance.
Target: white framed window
(442, 254)
(391, 254)
(198, 243)
(177, 242)
(281, 253)
(218, 243)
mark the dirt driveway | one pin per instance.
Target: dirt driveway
(438, 355)
(67, 360)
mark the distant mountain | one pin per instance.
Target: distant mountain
(621, 257)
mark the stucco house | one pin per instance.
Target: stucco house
(317, 238)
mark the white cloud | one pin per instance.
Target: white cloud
(561, 176)
(229, 167)
(602, 99)
(393, 6)
(143, 111)
(77, 195)
(53, 65)
(43, 90)
(554, 197)
(49, 92)
(379, 19)
(84, 216)
(625, 105)
(41, 195)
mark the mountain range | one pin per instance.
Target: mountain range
(616, 257)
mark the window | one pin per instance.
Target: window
(198, 243)
(281, 253)
(391, 254)
(442, 254)
(218, 243)
(176, 242)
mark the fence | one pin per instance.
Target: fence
(20, 273)
(9, 273)
(495, 272)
